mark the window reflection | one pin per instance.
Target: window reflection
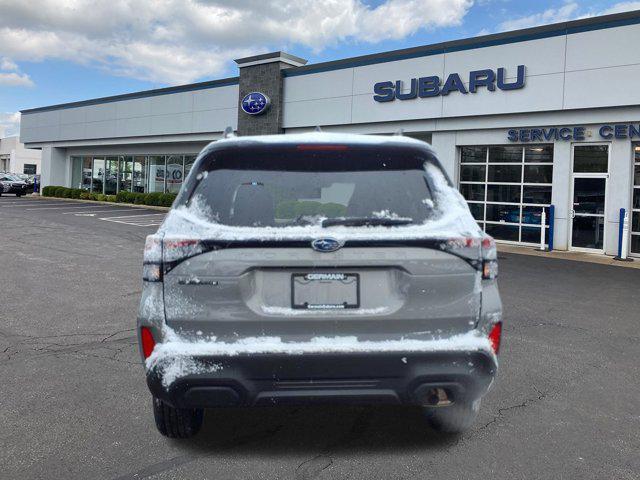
(131, 173)
(139, 176)
(111, 176)
(174, 173)
(156, 172)
(97, 185)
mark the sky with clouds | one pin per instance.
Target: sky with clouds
(56, 51)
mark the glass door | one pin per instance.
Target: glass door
(589, 193)
(588, 219)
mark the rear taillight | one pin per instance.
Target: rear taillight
(495, 336)
(161, 255)
(148, 343)
(490, 269)
(152, 259)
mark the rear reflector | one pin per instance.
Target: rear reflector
(495, 336)
(148, 343)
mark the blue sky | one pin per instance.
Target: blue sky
(56, 51)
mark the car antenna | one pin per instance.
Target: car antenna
(399, 133)
(228, 133)
(317, 129)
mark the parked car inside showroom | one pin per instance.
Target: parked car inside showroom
(12, 184)
(319, 268)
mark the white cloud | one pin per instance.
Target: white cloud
(6, 64)
(11, 76)
(551, 15)
(621, 7)
(176, 41)
(571, 10)
(13, 79)
(10, 123)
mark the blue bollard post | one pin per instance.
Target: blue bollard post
(620, 234)
(552, 216)
(35, 185)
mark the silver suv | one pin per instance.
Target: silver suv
(319, 268)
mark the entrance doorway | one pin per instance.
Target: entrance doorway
(588, 196)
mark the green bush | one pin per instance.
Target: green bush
(125, 197)
(167, 199)
(153, 198)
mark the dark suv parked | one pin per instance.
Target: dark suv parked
(12, 184)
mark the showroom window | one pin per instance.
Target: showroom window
(635, 206)
(29, 168)
(507, 187)
(131, 173)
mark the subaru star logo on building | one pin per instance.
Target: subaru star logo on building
(255, 103)
(326, 245)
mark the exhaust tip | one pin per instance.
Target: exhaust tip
(438, 397)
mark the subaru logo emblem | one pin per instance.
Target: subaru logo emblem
(326, 245)
(255, 103)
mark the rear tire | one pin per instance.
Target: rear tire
(456, 418)
(177, 422)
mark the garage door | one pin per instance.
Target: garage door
(507, 187)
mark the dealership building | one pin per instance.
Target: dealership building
(521, 121)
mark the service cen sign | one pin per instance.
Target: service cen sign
(425, 87)
(548, 134)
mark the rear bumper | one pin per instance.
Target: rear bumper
(366, 378)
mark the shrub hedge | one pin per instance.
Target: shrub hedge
(155, 198)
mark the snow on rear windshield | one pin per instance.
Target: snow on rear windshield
(447, 217)
(281, 198)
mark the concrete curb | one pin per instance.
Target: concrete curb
(564, 255)
(119, 204)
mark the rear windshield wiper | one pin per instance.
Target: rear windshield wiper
(366, 222)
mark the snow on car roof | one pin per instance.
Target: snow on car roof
(321, 138)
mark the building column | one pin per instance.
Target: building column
(619, 192)
(53, 167)
(561, 193)
(263, 74)
(444, 143)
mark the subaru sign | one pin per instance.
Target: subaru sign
(326, 245)
(425, 87)
(255, 103)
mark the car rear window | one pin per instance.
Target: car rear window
(301, 186)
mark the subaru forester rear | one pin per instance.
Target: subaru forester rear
(319, 268)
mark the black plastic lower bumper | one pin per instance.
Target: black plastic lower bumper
(367, 378)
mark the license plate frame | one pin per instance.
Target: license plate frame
(317, 278)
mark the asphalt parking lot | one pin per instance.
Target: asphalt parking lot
(74, 405)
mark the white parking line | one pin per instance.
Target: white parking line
(133, 219)
(102, 211)
(25, 203)
(60, 208)
(136, 224)
(143, 215)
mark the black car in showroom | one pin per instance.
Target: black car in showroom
(12, 184)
